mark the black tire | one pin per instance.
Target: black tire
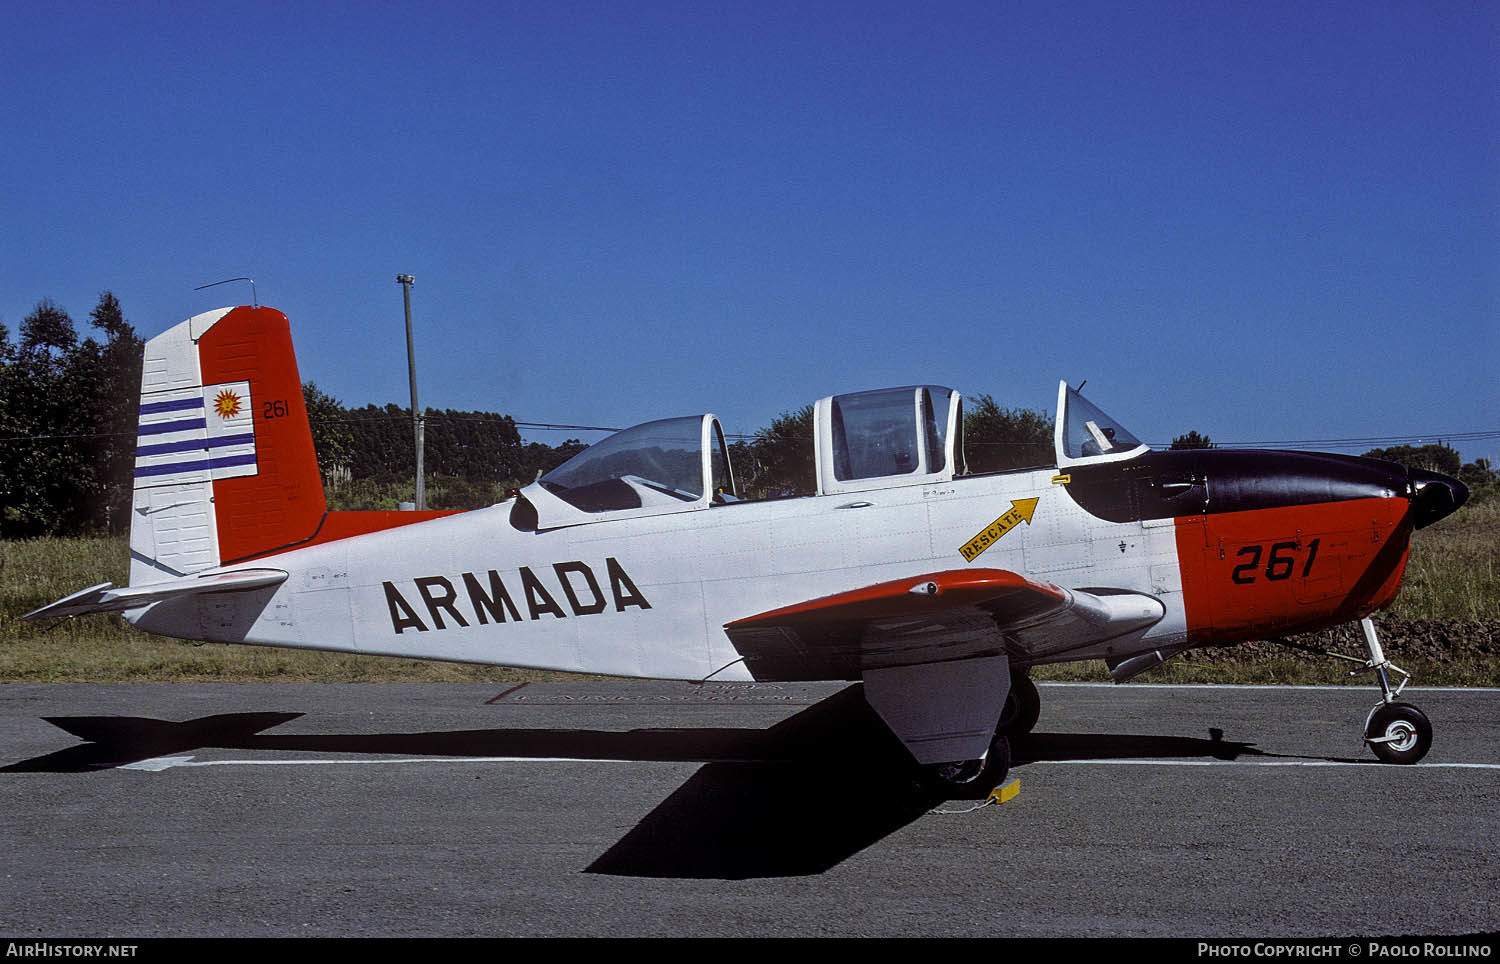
(969, 779)
(1023, 707)
(1407, 730)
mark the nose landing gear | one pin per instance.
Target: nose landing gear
(1396, 732)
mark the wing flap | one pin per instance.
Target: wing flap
(104, 599)
(936, 617)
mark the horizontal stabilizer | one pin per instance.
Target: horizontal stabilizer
(103, 599)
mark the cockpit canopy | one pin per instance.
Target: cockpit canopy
(1085, 435)
(864, 440)
(670, 465)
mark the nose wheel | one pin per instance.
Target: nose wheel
(1396, 732)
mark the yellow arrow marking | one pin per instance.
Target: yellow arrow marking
(1021, 510)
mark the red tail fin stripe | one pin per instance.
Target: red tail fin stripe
(282, 503)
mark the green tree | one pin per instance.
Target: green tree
(1192, 440)
(996, 438)
(780, 458)
(68, 411)
(117, 386)
(48, 330)
(44, 468)
(1477, 474)
(333, 436)
(1433, 458)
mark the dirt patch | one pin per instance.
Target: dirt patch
(1428, 640)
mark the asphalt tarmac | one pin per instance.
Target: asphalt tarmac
(645, 808)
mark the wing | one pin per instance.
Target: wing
(937, 617)
(103, 599)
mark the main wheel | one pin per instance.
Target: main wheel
(1404, 732)
(970, 779)
(1022, 708)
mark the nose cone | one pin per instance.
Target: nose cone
(1434, 496)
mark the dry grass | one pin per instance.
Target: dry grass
(107, 649)
(1454, 569)
(1287, 668)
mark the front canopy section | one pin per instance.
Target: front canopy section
(670, 465)
(1085, 435)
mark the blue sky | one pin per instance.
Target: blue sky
(1258, 220)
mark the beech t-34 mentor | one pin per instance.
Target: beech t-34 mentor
(937, 589)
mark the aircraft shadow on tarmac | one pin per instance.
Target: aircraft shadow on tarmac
(797, 798)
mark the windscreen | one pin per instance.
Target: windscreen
(1089, 432)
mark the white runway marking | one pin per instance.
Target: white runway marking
(1344, 688)
(157, 764)
(1365, 764)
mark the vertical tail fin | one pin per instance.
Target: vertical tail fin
(225, 468)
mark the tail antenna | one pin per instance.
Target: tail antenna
(254, 301)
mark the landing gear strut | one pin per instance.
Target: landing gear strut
(1396, 732)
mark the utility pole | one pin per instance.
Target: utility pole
(406, 281)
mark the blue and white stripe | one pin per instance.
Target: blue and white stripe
(183, 438)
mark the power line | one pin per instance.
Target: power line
(1449, 439)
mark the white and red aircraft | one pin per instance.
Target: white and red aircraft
(938, 590)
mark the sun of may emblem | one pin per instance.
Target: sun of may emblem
(227, 404)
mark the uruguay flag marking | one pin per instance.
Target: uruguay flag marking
(195, 435)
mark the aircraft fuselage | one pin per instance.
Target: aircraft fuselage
(1236, 545)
